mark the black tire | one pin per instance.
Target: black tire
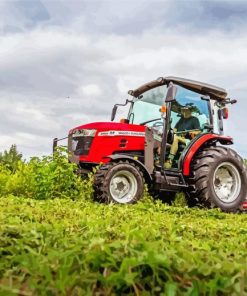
(208, 185)
(129, 177)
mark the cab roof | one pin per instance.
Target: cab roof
(213, 91)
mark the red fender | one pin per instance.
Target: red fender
(201, 141)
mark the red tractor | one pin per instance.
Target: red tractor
(172, 140)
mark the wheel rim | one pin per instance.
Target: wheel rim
(123, 187)
(227, 182)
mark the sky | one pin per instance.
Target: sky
(65, 63)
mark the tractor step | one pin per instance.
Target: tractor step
(170, 180)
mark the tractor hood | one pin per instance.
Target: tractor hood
(94, 142)
(110, 127)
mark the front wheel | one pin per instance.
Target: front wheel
(120, 182)
(219, 179)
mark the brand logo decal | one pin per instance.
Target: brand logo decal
(122, 133)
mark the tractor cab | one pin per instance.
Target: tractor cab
(150, 107)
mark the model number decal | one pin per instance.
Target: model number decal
(122, 133)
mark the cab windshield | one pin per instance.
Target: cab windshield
(146, 109)
(190, 103)
(147, 106)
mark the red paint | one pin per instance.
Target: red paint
(203, 139)
(225, 113)
(103, 146)
(244, 205)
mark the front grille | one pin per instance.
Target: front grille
(81, 145)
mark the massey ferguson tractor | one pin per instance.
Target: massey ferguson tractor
(172, 140)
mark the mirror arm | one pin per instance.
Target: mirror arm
(126, 102)
(114, 110)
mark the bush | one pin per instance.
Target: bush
(10, 158)
(48, 177)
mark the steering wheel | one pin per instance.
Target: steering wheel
(157, 124)
(148, 121)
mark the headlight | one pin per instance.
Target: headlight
(84, 133)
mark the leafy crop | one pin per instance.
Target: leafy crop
(55, 241)
(46, 178)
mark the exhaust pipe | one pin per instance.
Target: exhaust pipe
(54, 146)
(55, 143)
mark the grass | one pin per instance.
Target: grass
(54, 240)
(65, 247)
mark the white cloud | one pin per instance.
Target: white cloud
(41, 68)
(90, 90)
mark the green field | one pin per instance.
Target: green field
(54, 240)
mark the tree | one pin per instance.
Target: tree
(10, 158)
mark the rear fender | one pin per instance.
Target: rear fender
(118, 157)
(194, 146)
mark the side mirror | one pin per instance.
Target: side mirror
(171, 93)
(114, 111)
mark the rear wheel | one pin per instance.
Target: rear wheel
(119, 183)
(219, 179)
